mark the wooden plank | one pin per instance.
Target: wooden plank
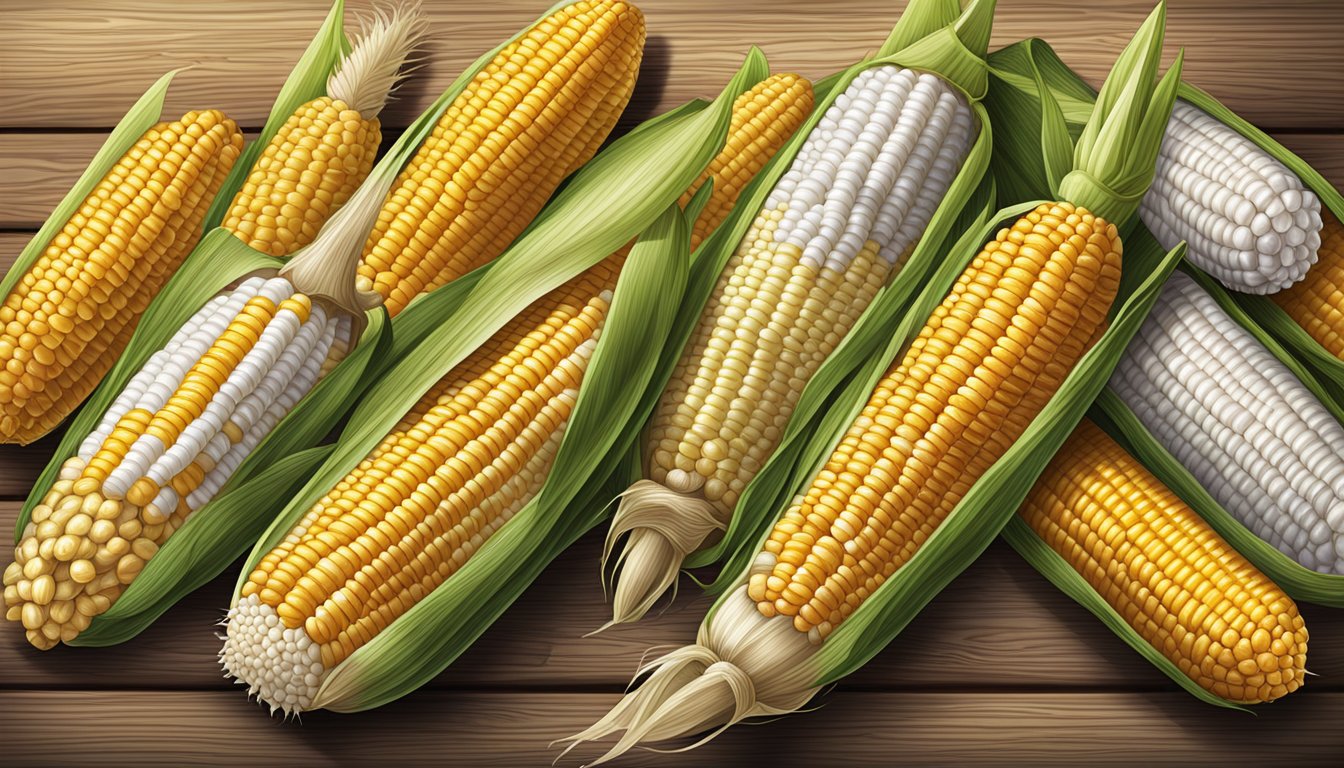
(998, 625)
(37, 169)
(153, 728)
(75, 64)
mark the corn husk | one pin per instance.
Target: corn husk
(629, 189)
(1016, 70)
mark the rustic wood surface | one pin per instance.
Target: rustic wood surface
(1000, 670)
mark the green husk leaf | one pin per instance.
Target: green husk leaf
(991, 502)
(215, 541)
(142, 116)
(636, 177)
(1058, 571)
(307, 81)
(1299, 582)
(428, 637)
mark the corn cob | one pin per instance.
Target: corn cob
(1317, 302)
(1248, 220)
(472, 452)
(535, 114)
(1173, 579)
(1238, 419)
(987, 361)
(326, 148)
(841, 220)
(73, 312)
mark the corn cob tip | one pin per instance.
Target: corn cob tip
(282, 666)
(742, 665)
(664, 527)
(365, 78)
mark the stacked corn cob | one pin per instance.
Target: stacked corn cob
(1249, 431)
(852, 205)
(179, 430)
(989, 358)
(188, 418)
(1249, 221)
(74, 311)
(1166, 572)
(474, 450)
(540, 110)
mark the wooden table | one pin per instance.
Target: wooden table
(1000, 669)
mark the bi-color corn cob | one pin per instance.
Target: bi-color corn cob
(168, 443)
(1317, 302)
(1161, 567)
(322, 153)
(70, 316)
(1247, 219)
(850, 208)
(531, 117)
(474, 450)
(1248, 430)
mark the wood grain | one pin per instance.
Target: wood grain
(152, 728)
(1277, 63)
(36, 170)
(999, 625)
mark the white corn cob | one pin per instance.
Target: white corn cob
(850, 208)
(1248, 220)
(1248, 430)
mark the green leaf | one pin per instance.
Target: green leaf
(1299, 582)
(1327, 369)
(1062, 575)
(142, 116)
(435, 631)
(307, 81)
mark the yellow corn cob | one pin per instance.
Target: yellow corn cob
(764, 118)
(474, 449)
(1177, 582)
(326, 148)
(73, 312)
(1317, 302)
(528, 119)
(989, 358)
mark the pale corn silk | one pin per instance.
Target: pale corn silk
(1247, 219)
(144, 470)
(840, 221)
(1237, 418)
